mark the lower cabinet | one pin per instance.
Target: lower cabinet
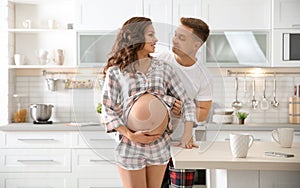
(34, 182)
(278, 179)
(69, 159)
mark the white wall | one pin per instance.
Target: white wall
(79, 104)
(70, 105)
(224, 95)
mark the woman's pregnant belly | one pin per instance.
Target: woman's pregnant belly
(148, 113)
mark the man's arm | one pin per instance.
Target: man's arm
(202, 110)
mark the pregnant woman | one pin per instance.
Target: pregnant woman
(137, 96)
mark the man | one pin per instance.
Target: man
(190, 35)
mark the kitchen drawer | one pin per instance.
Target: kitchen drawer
(87, 139)
(35, 183)
(2, 139)
(37, 139)
(224, 135)
(97, 162)
(35, 160)
(98, 183)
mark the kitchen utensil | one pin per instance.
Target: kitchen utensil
(294, 110)
(41, 112)
(254, 102)
(264, 104)
(274, 103)
(236, 105)
(52, 84)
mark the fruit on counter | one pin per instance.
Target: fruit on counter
(20, 116)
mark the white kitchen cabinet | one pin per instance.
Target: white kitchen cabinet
(36, 160)
(57, 159)
(35, 182)
(98, 183)
(92, 140)
(278, 179)
(29, 24)
(105, 15)
(165, 16)
(237, 14)
(286, 14)
(37, 140)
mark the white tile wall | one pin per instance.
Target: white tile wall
(80, 104)
(224, 95)
(69, 105)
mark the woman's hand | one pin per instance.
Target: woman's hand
(176, 108)
(144, 137)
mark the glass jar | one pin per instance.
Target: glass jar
(20, 112)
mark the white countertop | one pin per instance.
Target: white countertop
(52, 127)
(62, 126)
(218, 156)
(250, 127)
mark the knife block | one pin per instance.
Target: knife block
(294, 110)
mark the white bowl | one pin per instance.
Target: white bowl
(223, 111)
(226, 119)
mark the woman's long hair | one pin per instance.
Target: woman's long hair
(129, 41)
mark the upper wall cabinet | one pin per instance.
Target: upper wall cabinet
(166, 14)
(42, 33)
(108, 15)
(237, 14)
(286, 14)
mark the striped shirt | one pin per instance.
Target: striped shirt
(122, 89)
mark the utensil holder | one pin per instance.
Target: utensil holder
(294, 110)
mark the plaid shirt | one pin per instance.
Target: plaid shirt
(122, 89)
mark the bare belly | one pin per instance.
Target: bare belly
(148, 113)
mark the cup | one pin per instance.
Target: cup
(19, 59)
(284, 136)
(42, 55)
(240, 143)
(27, 24)
(52, 24)
(59, 56)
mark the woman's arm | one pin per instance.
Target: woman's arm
(138, 136)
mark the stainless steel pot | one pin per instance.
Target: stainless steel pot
(41, 112)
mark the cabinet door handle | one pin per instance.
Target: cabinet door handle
(96, 139)
(36, 139)
(295, 25)
(96, 160)
(35, 160)
(33, 187)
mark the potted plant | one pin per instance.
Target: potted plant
(99, 111)
(242, 116)
(99, 108)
